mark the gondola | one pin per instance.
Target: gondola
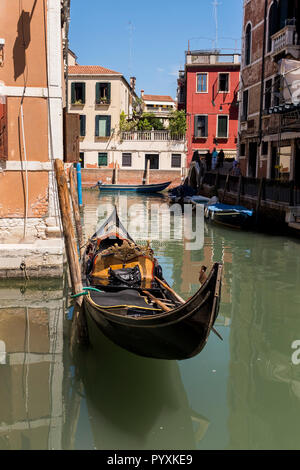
(129, 301)
(142, 188)
(231, 216)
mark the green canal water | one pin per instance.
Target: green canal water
(239, 393)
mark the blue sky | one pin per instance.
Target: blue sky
(148, 39)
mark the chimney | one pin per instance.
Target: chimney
(142, 93)
(132, 83)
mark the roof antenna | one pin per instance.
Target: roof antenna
(130, 48)
(215, 5)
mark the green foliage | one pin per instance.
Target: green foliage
(149, 121)
(178, 122)
(125, 125)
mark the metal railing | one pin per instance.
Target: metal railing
(268, 190)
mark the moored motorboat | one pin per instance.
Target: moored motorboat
(231, 216)
(129, 301)
(142, 188)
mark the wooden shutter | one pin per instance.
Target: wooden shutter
(3, 131)
(97, 93)
(97, 126)
(83, 92)
(71, 137)
(73, 96)
(196, 132)
(82, 125)
(108, 126)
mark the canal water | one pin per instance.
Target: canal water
(239, 393)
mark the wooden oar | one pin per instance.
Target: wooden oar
(157, 301)
(163, 284)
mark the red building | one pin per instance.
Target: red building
(209, 88)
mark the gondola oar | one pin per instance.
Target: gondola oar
(163, 284)
(157, 301)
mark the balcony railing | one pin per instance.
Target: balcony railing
(161, 136)
(159, 110)
(286, 38)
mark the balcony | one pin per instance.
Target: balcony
(154, 136)
(286, 42)
(160, 110)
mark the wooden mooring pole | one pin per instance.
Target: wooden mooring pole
(79, 333)
(76, 212)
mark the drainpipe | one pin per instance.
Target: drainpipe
(263, 74)
(67, 13)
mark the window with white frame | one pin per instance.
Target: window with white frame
(201, 126)
(222, 131)
(224, 82)
(202, 82)
(176, 160)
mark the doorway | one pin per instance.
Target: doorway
(274, 163)
(252, 163)
(154, 161)
(297, 165)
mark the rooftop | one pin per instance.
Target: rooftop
(158, 98)
(91, 70)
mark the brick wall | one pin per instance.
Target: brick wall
(90, 177)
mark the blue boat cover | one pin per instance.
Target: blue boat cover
(225, 207)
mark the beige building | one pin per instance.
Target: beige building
(100, 95)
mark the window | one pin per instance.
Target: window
(126, 159)
(176, 161)
(201, 126)
(103, 93)
(154, 161)
(81, 159)
(222, 127)
(245, 105)
(202, 83)
(82, 125)
(243, 150)
(273, 24)
(102, 159)
(277, 90)
(265, 148)
(224, 82)
(103, 126)
(248, 41)
(78, 93)
(268, 94)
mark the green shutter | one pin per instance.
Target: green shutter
(108, 92)
(102, 159)
(97, 126)
(108, 126)
(83, 93)
(82, 125)
(196, 126)
(73, 97)
(97, 93)
(222, 126)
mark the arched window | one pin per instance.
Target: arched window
(273, 23)
(248, 42)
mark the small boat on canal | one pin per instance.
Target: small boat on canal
(231, 216)
(129, 301)
(140, 188)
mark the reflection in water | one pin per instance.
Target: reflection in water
(31, 367)
(135, 403)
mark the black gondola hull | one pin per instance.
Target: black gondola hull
(178, 335)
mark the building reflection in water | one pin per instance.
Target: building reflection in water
(31, 366)
(132, 402)
(264, 384)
